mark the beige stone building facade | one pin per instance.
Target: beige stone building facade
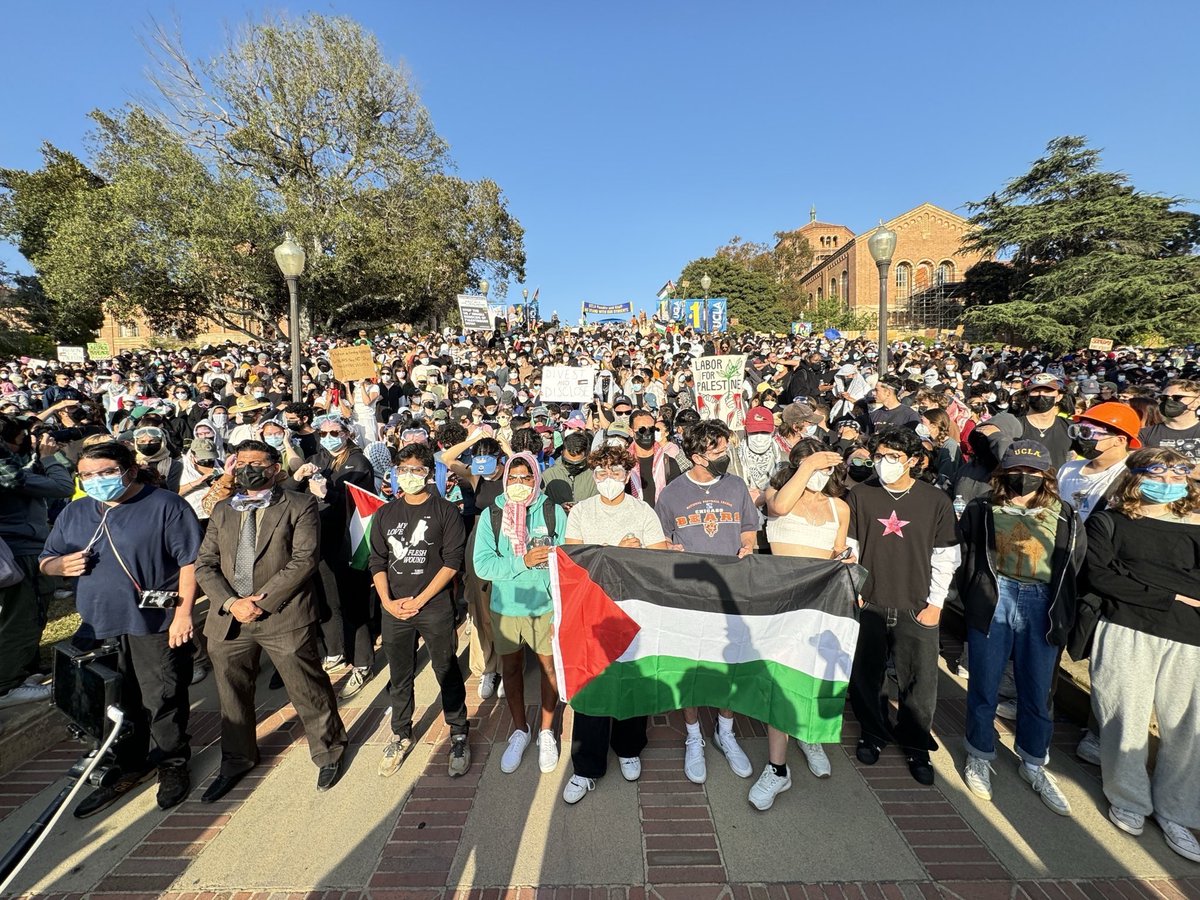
(927, 254)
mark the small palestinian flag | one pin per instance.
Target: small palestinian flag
(362, 509)
(639, 632)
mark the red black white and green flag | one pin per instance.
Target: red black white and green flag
(363, 505)
(640, 632)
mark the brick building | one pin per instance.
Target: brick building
(927, 255)
(136, 333)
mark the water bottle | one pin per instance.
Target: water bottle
(959, 505)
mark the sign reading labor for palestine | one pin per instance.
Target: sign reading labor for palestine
(719, 388)
(474, 313)
(352, 363)
(568, 384)
(99, 350)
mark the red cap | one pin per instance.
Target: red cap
(760, 420)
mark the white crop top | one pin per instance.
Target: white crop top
(792, 529)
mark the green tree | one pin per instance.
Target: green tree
(752, 294)
(1088, 256)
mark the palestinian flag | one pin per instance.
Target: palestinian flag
(362, 509)
(639, 632)
(666, 290)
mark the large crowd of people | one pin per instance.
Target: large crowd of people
(1051, 500)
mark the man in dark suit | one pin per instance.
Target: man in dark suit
(257, 565)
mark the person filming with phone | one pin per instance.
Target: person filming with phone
(133, 548)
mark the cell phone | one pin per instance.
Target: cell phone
(845, 554)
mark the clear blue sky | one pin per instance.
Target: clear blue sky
(631, 137)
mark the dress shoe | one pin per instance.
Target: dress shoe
(867, 753)
(276, 681)
(221, 786)
(174, 782)
(327, 776)
(920, 769)
(104, 797)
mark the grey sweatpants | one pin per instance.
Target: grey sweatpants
(1134, 673)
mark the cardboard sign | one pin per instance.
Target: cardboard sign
(568, 384)
(71, 354)
(99, 350)
(474, 313)
(1104, 345)
(719, 388)
(352, 363)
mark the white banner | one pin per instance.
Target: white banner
(71, 354)
(568, 384)
(719, 388)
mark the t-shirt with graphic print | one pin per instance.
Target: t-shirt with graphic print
(707, 518)
(896, 537)
(1182, 440)
(412, 543)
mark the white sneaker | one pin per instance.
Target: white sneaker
(978, 776)
(513, 753)
(1127, 820)
(487, 685)
(26, 693)
(499, 687)
(1007, 710)
(818, 761)
(1088, 748)
(1046, 786)
(578, 788)
(547, 751)
(631, 767)
(333, 663)
(693, 760)
(768, 787)
(738, 761)
(1179, 839)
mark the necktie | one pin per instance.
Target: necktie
(243, 565)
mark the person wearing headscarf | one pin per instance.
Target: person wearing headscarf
(379, 455)
(206, 429)
(514, 560)
(154, 456)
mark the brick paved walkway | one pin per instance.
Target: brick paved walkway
(468, 837)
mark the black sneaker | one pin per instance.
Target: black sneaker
(103, 797)
(920, 769)
(867, 753)
(174, 782)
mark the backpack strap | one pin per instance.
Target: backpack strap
(548, 514)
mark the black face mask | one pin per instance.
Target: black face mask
(253, 478)
(575, 468)
(645, 438)
(149, 448)
(860, 473)
(1040, 403)
(1086, 449)
(841, 445)
(1172, 408)
(718, 467)
(1021, 483)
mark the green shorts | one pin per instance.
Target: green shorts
(510, 632)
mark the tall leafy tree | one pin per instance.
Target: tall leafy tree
(1088, 255)
(752, 294)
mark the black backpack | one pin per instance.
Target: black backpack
(548, 512)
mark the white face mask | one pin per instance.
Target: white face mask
(818, 480)
(923, 432)
(810, 430)
(610, 488)
(758, 443)
(890, 472)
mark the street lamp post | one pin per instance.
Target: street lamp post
(289, 256)
(525, 297)
(706, 283)
(882, 244)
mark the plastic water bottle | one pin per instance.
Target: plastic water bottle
(959, 505)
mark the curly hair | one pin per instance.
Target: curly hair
(608, 457)
(1126, 496)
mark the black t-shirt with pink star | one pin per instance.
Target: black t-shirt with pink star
(896, 538)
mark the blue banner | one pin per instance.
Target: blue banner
(611, 309)
(718, 320)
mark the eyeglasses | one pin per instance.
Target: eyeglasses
(521, 479)
(105, 473)
(412, 470)
(1164, 469)
(889, 457)
(1088, 432)
(602, 474)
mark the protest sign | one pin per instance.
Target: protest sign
(1104, 345)
(719, 388)
(568, 384)
(99, 350)
(474, 313)
(70, 354)
(605, 310)
(352, 363)
(718, 309)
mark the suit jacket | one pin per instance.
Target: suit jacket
(288, 550)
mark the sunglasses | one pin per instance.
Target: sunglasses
(1088, 432)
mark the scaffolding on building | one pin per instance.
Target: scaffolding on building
(938, 307)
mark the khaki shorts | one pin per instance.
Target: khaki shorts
(510, 632)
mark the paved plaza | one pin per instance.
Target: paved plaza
(866, 832)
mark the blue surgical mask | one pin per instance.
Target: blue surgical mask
(275, 440)
(1162, 492)
(333, 443)
(105, 487)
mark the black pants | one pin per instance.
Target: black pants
(333, 628)
(360, 617)
(914, 649)
(591, 736)
(435, 625)
(154, 696)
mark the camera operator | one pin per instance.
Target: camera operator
(133, 548)
(30, 475)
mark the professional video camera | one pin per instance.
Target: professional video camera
(87, 687)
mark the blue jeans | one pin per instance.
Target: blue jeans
(1018, 630)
